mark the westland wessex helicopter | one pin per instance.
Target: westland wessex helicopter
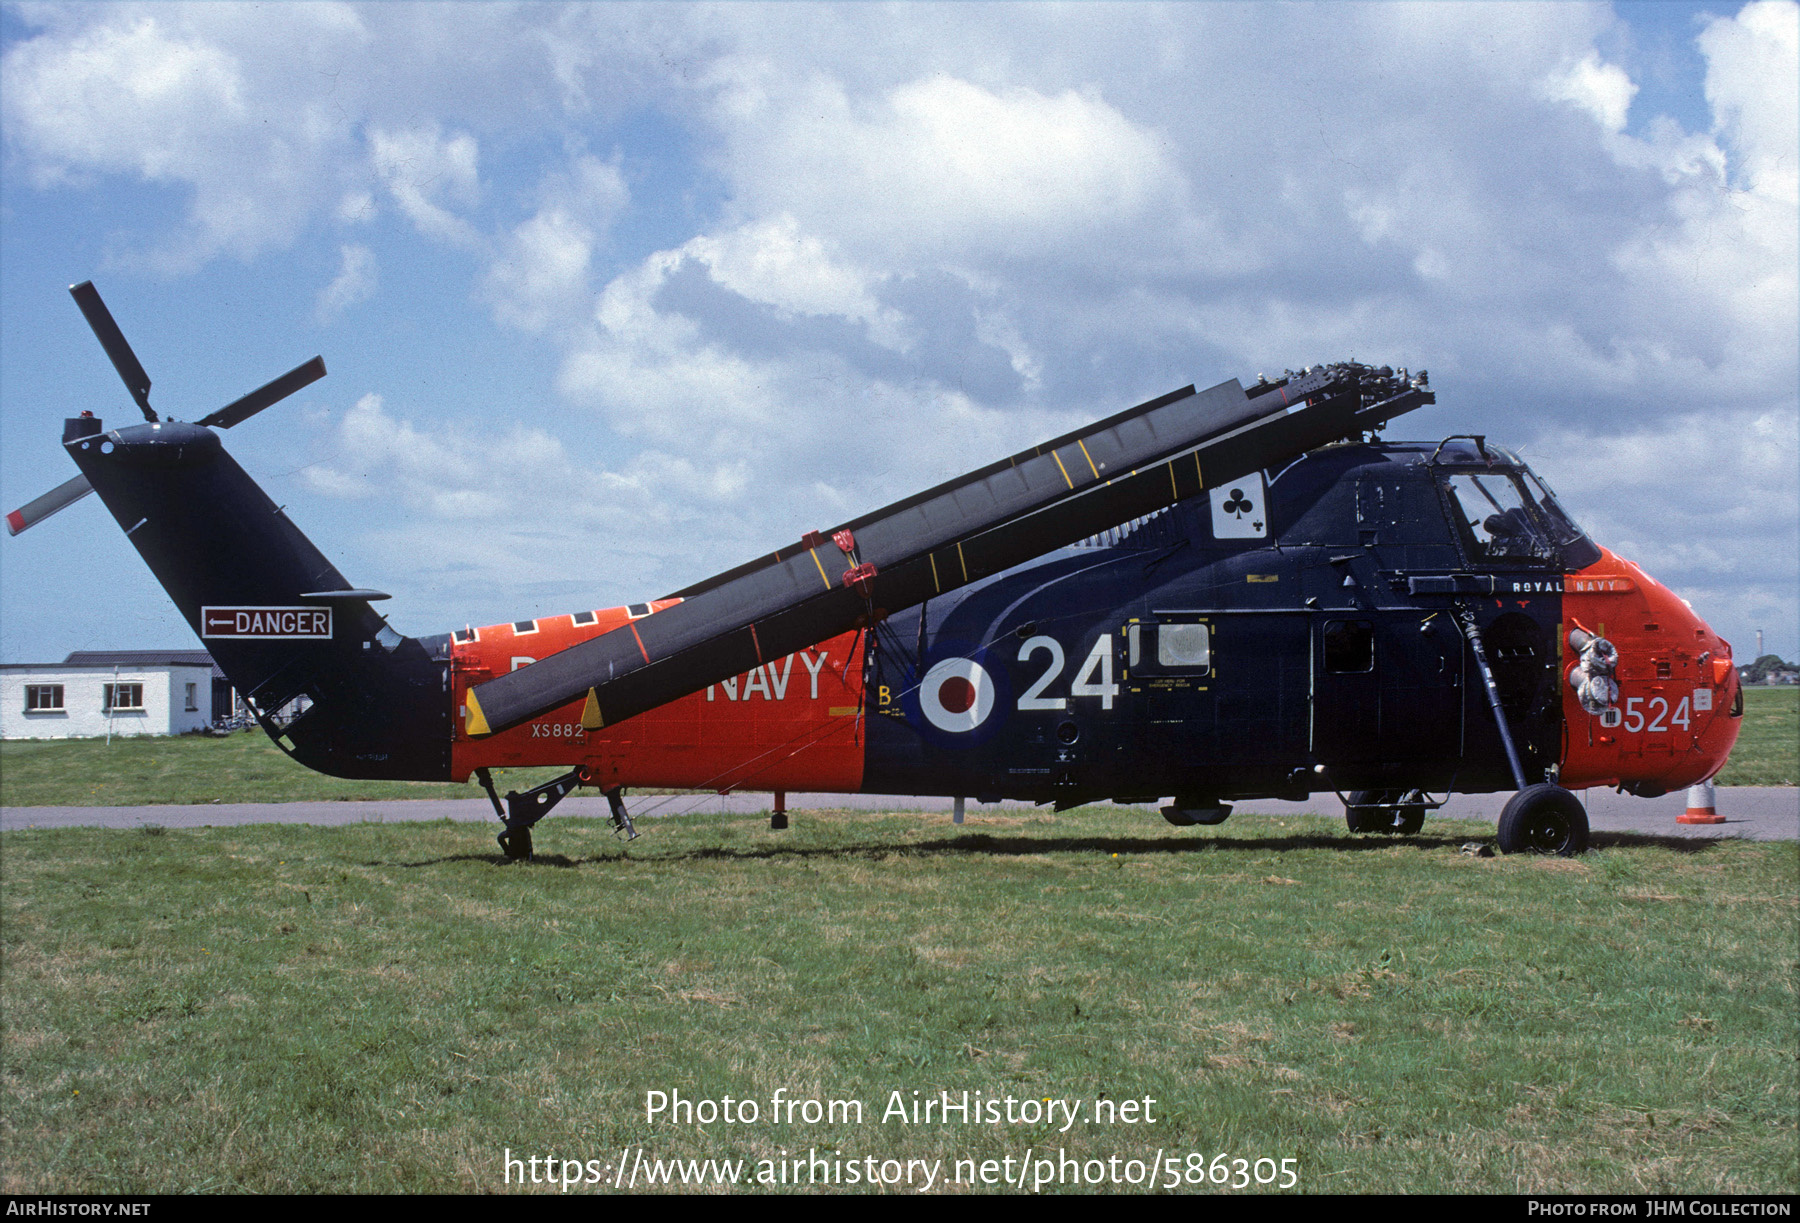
(1217, 595)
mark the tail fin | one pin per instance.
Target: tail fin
(276, 615)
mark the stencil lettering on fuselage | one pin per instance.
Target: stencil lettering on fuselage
(770, 681)
(1238, 509)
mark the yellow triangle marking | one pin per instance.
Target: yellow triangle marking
(474, 721)
(590, 713)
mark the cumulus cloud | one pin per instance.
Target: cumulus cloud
(1755, 92)
(774, 264)
(427, 172)
(1603, 90)
(958, 169)
(539, 275)
(355, 282)
(139, 94)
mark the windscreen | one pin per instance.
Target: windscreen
(1578, 551)
(1496, 520)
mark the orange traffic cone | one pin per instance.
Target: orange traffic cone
(1700, 806)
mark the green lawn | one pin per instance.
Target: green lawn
(1768, 746)
(391, 1009)
(242, 768)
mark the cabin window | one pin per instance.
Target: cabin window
(118, 698)
(43, 698)
(1349, 646)
(193, 698)
(580, 618)
(1179, 648)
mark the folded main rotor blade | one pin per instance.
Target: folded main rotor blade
(266, 395)
(34, 512)
(1126, 466)
(113, 341)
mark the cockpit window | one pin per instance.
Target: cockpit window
(1497, 521)
(1578, 551)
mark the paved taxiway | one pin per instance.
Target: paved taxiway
(1762, 813)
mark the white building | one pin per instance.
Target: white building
(130, 692)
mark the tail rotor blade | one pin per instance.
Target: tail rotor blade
(113, 341)
(267, 395)
(34, 512)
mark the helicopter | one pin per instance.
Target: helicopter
(1211, 597)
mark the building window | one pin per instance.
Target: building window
(121, 698)
(193, 698)
(43, 698)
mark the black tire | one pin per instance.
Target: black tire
(1396, 812)
(516, 845)
(1411, 815)
(1197, 814)
(1363, 812)
(1543, 819)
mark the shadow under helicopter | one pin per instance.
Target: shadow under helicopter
(956, 844)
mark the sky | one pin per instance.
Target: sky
(616, 296)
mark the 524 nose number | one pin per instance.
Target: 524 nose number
(1654, 714)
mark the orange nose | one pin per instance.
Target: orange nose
(1677, 708)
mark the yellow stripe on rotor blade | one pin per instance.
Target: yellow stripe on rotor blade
(474, 721)
(590, 712)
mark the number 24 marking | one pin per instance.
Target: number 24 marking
(1095, 678)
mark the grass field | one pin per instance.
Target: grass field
(247, 768)
(242, 768)
(391, 1009)
(1768, 746)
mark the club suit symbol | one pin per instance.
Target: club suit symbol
(1237, 509)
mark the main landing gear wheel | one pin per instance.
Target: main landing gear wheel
(1193, 812)
(1401, 812)
(1543, 819)
(516, 845)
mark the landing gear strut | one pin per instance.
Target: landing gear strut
(1542, 818)
(523, 810)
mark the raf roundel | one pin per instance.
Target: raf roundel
(956, 695)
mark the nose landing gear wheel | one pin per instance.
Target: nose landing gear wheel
(1543, 819)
